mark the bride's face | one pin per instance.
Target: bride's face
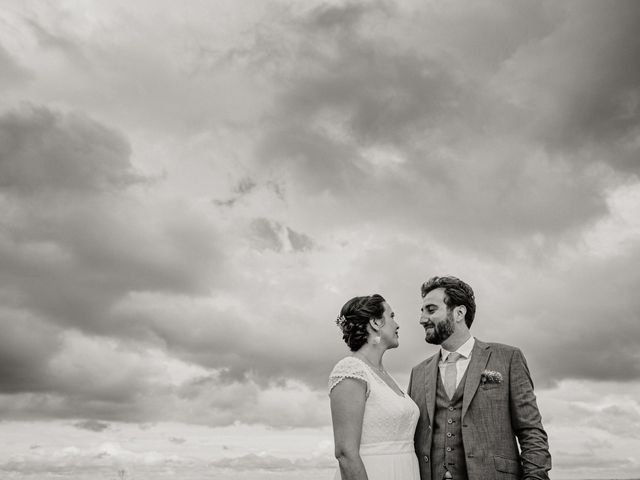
(389, 331)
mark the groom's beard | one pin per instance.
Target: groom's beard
(441, 331)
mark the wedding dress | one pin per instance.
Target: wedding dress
(389, 423)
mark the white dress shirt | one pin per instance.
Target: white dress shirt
(463, 362)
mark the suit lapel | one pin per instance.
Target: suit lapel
(431, 381)
(479, 359)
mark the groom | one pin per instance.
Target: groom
(476, 399)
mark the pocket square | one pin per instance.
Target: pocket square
(490, 376)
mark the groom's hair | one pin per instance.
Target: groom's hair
(456, 293)
(354, 318)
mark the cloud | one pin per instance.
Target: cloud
(142, 460)
(92, 425)
(189, 198)
(254, 462)
(46, 151)
(102, 62)
(119, 381)
(12, 74)
(105, 458)
(617, 420)
(282, 405)
(73, 215)
(26, 345)
(62, 42)
(377, 124)
(586, 420)
(275, 236)
(110, 383)
(579, 321)
(589, 462)
(272, 463)
(244, 187)
(593, 102)
(235, 328)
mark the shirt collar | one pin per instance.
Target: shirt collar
(464, 349)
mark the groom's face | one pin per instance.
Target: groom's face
(436, 318)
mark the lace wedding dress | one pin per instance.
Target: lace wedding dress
(386, 445)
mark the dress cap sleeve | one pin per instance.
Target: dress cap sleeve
(348, 367)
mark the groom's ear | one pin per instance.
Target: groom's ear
(461, 312)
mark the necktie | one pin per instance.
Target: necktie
(450, 374)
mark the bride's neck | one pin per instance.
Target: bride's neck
(372, 354)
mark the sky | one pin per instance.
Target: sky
(190, 191)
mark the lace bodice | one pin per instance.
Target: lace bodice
(388, 417)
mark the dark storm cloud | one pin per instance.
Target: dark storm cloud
(79, 376)
(130, 400)
(42, 150)
(386, 95)
(375, 92)
(244, 345)
(390, 92)
(457, 143)
(26, 345)
(75, 240)
(584, 82)
(95, 257)
(79, 216)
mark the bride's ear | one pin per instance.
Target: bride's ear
(375, 324)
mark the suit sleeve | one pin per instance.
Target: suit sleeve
(417, 437)
(410, 383)
(527, 422)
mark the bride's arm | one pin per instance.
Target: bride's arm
(347, 411)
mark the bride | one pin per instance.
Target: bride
(373, 419)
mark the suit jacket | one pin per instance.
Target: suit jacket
(493, 416)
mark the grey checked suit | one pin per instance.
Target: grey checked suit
(493, 416)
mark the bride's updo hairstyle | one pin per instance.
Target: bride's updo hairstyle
(354, 318)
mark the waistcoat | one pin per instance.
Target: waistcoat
(447, 450)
